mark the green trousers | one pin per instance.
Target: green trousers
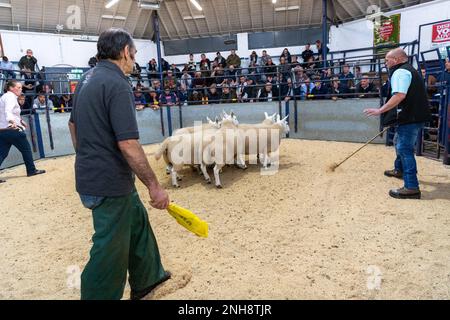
(123, 240)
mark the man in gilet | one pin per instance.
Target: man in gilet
(408, 110)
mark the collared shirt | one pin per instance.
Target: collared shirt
(6, 65)
(103, 113)
(9, 110)
(401, 80)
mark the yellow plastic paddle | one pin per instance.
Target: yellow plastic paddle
(189, 220)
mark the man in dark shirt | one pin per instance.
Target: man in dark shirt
(307, 53)
(28, 61)
(365, 89)
(408, 109)
(105, 136)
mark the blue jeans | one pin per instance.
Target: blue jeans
(18, 139)
(405, 141)
(91, 202)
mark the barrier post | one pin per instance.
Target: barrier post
(37, 123)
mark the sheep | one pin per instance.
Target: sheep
(191, 145)
(258, 138)
(223, 148)
(188, 130)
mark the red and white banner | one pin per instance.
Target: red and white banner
(441, 32)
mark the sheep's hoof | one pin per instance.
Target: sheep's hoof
(167, 172)
(219, 186)
(179, 178)
(176, 186)
(208, 181)
(242, 167)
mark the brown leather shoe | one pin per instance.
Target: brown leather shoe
(394, 174)
(404, 193)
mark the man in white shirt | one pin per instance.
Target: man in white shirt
(12, 128)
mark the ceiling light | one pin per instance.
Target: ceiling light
(108, 16)
(274, 1)
(287, 8)
(193, 18)
(5, 5)
(197, 5)
(111, 3)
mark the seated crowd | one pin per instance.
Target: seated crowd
(223, 80)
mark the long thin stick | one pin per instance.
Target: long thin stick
(334, 167)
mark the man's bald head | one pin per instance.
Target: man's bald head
(395, 57)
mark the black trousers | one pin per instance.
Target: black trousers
(18, 139)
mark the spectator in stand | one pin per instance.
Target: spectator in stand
(287, 55)
(233, 60)
(170, 81)
(326, 78)
(175, 71)
(139, 98)
(196, 97)
(156, 85)
(250, 91)
(29, 86)
(253, 59)
(306, 89)
(253, 72)
(298, 78)
(65, 104)
(220, 60)
(7, 68)
(48, 90)
(231, 75)
(240, 87)
(288, 91)
(152, 69)
(183, 95)
(42, 79)
(228, 95)
(218, 76)
(307, 53)
(186, 79)
(294, 62)
(28, 62)
(92, 62)
(346, 77)
(284, 69)
(199, 83)
(214, 95)
(265, 58)
(165, 65)
(365, 88)
(205, 63)
(320, 48)
(24, 108)
(41, 105)
(270, 68)
(311, 67)
(168, 98)
(137, 70)
(320, 90)
(268, 93)
(191, 65)
(154, 99)
(337, 90)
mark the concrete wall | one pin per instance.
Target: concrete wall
(341, 120)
